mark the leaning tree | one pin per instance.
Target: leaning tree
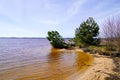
(56, 39)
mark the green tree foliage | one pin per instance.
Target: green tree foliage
(56, 39)
(87, 33)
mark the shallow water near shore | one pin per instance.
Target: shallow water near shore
(34, 59)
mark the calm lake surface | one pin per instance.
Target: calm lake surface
(33, 59)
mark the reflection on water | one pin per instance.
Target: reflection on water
(58, 64)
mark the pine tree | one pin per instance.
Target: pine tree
(87, 33)
(56, 39)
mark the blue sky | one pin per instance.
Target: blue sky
(34, 18)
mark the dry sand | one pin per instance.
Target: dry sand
(103, 68)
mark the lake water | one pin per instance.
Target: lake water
(34, 59)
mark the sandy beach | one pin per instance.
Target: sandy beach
(103, 68)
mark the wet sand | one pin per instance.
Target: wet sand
(103, 68)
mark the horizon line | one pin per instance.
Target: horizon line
(30, 37)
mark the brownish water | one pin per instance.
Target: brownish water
(42, 63)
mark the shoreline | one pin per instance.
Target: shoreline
(103, 68)
(52, 69)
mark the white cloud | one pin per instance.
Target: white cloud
(51, 6)
(75, 8)
(12, 30)
(30, 16)
(49, 22)
(72, 10)
(105, 14)
(45, 21)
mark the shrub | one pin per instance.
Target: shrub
(111, 31)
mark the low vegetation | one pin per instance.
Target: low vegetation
(102, 50)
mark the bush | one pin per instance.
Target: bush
(98, 48)
(111, 31)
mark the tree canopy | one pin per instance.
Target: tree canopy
(87, 33)
(56, 39)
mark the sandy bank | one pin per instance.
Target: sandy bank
(103, 68)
